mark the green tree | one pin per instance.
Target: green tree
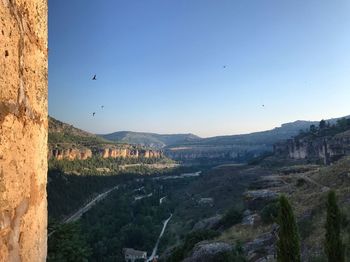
(313, 129)
(288, 244)
(322, 124)
(334, 247)
(68, 244)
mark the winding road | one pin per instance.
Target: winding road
(155, 249)
(86, 208)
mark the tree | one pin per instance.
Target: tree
(313, 129)
(68, 244)
(334, 247)
(288, 244)
(322, 124)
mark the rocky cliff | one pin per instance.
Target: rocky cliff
(325, 148)
(129, 152)
(70, 153)
(23, 130)
(68, 142)
(73, 153)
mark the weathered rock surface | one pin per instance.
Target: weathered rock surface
(257, 199)
(262, 248)
(205, 251)
(73, 152)
(23, 130)
(128, 152)
(70, 154)
(208, 223)
(250, 219)
(328, 149)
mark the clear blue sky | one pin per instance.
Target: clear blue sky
(159, 64)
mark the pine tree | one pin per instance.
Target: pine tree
(288, 244)
(333, 245)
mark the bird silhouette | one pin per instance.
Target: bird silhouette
(93, 114)
(102, 107)
(94, 78)
(224, 66)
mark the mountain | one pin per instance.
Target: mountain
(60, 132)
(150, 139)
(68, 142)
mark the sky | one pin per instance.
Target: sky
(208, 67)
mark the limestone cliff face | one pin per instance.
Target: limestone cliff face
(74, 153)
(23, 130)
(228, 152)
(70, 154)
(130, 153)
(327, 149)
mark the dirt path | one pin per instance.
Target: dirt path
(311, 181)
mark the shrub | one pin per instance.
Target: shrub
(333, 246)
(288, 244)
(232, 216)
(269, 212)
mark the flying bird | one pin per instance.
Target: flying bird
(93, 114)
(94, 78)
(102, 107)
(224, 66)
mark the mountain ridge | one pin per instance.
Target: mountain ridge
(149, 139)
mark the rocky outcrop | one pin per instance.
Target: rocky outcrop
(208, 223)
(327, 149)
(114, 152)
(194, 153)
(257, 199)
(72, 152)
(23, 130)
(206, 251)
(262, 248)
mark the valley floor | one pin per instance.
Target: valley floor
(228, 204)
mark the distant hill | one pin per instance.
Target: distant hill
(265, 137)
(231, 147)
(60, 132)
(68, 142)
(150, 139)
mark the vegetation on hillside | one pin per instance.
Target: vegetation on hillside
(334, 248)
(149, 139)
(68, 244)
(68, 192)
(62, 133)
(325, 128)
(288, 244)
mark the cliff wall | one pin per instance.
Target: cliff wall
(105, 151)
(327, 149)
(23, 130)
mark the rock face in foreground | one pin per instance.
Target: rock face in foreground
(23, 130)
